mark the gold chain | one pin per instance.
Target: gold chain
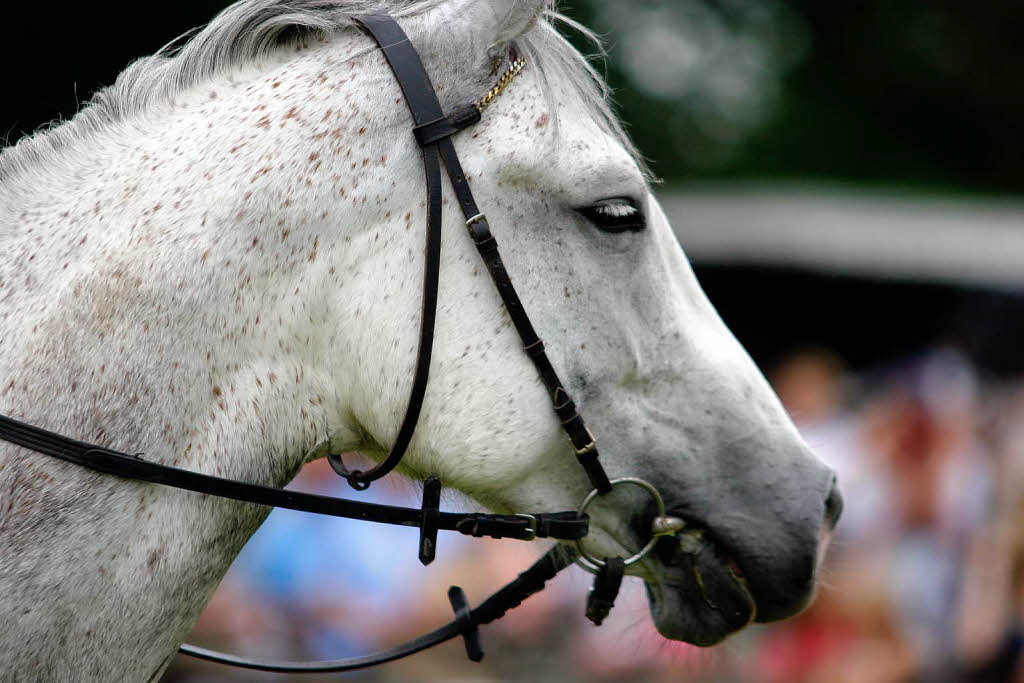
(506, 79)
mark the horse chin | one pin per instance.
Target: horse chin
(697, 594)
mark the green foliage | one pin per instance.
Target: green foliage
(908, 92)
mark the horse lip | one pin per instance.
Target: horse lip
(695, 531)
(707, 531)
(670, 550)
(697, 589)
(735, 568)
(743, 567)
(699, 594)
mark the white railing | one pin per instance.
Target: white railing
(844, 231)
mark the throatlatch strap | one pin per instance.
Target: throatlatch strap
(426, 109)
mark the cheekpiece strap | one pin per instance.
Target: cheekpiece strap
(606, 588)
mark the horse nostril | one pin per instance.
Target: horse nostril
(833, 505)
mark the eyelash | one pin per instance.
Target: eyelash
(615, 215)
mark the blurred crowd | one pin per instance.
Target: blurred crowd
(924, 580)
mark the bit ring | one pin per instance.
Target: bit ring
(594, 564)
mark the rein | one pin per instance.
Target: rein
(433, 131)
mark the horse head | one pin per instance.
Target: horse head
(666, 389)
(231, 281)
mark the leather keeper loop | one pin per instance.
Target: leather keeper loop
(578, 432)
(442, 128)
(428, 521)
(464, 117)
(494, 526)
(432, 132)
(480, 230)
(535, 349)
(572, 418)
(562, 526)
(488, 246)
(567, 413)
(560, 397)
(477, 528)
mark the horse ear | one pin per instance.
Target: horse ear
(499, 22)
(515, 17)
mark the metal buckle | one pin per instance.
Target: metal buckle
(662, 525)
(589, 448)
(531, 527)
(476, 219)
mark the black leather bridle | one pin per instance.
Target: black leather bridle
(433, 131)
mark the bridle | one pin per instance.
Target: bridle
(433, 131)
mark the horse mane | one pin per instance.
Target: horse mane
(252, 29)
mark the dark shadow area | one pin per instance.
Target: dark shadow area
(869, 322)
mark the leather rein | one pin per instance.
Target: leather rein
(434, 131)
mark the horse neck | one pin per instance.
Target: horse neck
(196, 269)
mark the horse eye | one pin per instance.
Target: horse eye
(618, 214)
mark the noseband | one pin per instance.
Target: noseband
(433, 131)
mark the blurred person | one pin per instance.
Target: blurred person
(990, 631)
(850, 632)
(942, 478)
(990, 624)
(916, 481)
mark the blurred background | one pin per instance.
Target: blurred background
(846, 178)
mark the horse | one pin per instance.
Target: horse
(218, 262)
